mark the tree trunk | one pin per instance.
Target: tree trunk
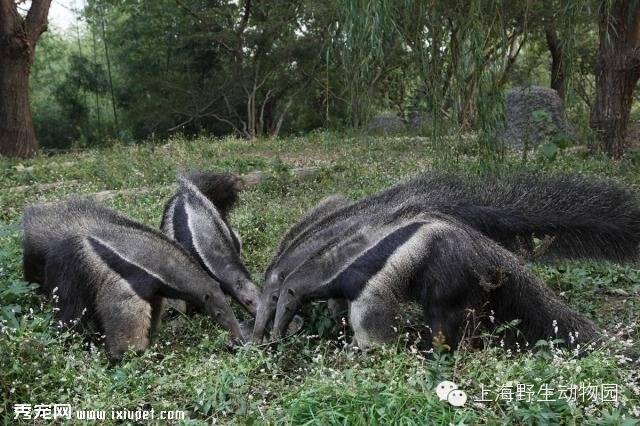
(557, 66)
(617, 72)
(17, 136)
(18, 38)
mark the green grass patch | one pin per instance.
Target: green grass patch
(312, 378)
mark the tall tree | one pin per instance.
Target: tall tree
(18, 37)
(555, 47)
(248, 67)
(617, 71)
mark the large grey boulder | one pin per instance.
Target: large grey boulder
(534, 115)
(386, 124)
(419, 120)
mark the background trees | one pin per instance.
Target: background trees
(135, 70)
(617, 71)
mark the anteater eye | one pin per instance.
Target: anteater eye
(207, 297)
(274, 297)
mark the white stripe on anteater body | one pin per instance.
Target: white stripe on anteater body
(92, 292)
(447, 267)
(114, 270)
(193, 221)
(587, 218)
(584, 218)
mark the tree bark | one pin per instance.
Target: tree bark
(617, 72)
(17, 136)
(557, 65)
(18, 38)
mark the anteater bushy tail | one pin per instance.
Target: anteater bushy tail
(220, 188)
(584, 217)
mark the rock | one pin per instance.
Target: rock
(578, 150)
(534, 115)
(419, 121)
(386, 124)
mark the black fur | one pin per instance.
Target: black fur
(323, 208)
(183, 234)
(349, 283)
(584, 218)
(273, 279)
(90, 257)
(144, 284)
(46, 225)
(221, 189)
(66, 281)
(193, 221)
(465, 270)
(457, 269)
(587, 218)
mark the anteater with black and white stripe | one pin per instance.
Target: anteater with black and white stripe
(107, 271)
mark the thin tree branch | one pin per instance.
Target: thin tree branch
(37, 19)
(511, 59)
(264, 104)
(198, 114)
(231, 110)
(188, 10)
(281, 119)
(229, 122)
(245, 18)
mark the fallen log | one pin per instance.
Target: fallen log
(43, 186)
(247, 181)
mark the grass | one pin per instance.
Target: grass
(312, 378)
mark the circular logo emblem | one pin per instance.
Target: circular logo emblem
(448, 391)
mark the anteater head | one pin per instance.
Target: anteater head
(247, 294)
(217, 306)
(288, 304)
(267, 305)
(235, 281)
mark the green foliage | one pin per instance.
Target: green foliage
(311, 378)
(287, 67)
(549, 150)
(69, 93)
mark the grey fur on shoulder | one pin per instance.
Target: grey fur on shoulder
(447, 267)
(581, 217)
(193, 220)
(111, 273)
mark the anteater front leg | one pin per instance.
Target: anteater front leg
(444, 320)
(338, 309)
(374, 318)
(448, 287)
(125, 317)
(157, 309)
